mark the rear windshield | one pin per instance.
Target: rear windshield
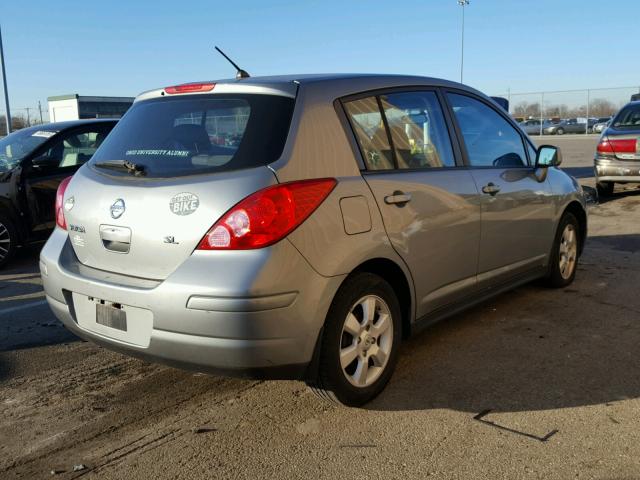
(629, 117)
(170, 137)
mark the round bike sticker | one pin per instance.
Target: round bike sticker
(184, 203)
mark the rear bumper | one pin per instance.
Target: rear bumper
(253, 313)
(617, 171)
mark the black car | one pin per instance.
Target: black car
(33, 162)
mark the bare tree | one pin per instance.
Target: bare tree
(601, 107)
(17, 122)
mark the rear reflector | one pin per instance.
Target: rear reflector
(190, 88)
(267, 216)
(62, 188)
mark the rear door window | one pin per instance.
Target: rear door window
(74, 148)
(368, 125)
(418, 130)
(195, 134)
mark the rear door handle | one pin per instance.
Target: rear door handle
(398, 198)
(491, 188)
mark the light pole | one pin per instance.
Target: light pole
(4, 81)
(462, 3)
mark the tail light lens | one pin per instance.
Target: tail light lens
(60, 220)
(626, 145)
(190, 88)
(267, 216)
(604, 147)
(611, 146)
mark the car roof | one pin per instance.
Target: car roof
(333, 84)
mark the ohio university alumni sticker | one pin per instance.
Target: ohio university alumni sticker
(184, 203)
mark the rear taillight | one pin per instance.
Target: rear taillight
(610, 146)
(190, 88)
(60, 220)
(626, 145)
(267, 216)
(604, 147)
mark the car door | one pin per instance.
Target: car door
(516, 199)
(429, 204)
(54, 161)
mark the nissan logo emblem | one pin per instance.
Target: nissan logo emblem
(117, 209)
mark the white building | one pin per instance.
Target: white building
(75, 107)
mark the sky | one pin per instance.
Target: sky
(121, 47)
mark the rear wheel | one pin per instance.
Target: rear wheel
(359, 346)
(8, 240)
(560, 131)
(564, 256)
(605, 189)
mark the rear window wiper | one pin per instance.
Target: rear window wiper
(132, 168)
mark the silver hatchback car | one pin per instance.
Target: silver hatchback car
(302, 226)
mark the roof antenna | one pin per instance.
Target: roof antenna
(240, 72)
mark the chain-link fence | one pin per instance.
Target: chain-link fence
(584, 107)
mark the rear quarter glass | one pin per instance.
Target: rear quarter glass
(194, 134)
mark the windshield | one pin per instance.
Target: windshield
(629, 117)
(16, 146)
(187, 135)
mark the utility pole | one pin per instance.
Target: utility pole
(28, 117)
(462, 3)
(40, 110)
(4, 81)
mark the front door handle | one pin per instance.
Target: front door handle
(491, 188)
(398, 198)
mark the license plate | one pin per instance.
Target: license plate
(111, 317)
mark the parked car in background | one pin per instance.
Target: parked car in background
(532, 126)
(570, 125)
(617, 157)
(33, 162)
(601, 125)
(346, 216)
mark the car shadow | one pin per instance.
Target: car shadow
(25, 260)
(533, 348)
(579, 172)
(25, 318)
(5, 369)
(631, 190)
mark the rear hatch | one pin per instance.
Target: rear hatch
(622, 138)
(172, 166)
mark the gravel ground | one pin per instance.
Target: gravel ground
(558, 370)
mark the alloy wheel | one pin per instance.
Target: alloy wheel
(5, 241)
(366, 341)
(568, 251)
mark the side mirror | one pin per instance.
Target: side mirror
(548, 156)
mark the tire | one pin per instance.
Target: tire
(605, 189)
(560, 131)
(358, 343)
(8, 239)
(564, 250)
